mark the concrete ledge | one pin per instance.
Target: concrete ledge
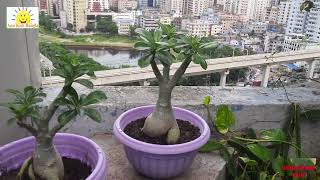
(205, 166)
(258, 108)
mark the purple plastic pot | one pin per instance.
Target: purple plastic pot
(12, 155)
(160, 161)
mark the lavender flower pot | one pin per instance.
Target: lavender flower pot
(160, 161)
(12, 155)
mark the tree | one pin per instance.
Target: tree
(46, 162)
(106, 25)
(132, 29)
(46, 22)
(90, 27)
(70, 27)
(167, 46)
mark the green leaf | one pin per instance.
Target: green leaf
(165, 58)
(204, 64)
(211, 145)
(85, 82)
(208, 45)
(62, 101)
(206, 100)
(274, 134)
(260, 151)
(144, 61)
(141, 46)
(66, 117)
(277, 165)
(94, 97)
(248, 161)
(93, 114)
(302, 161)
(224, 119)
(263, 175)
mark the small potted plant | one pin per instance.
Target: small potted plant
(160, 140)
(40, 156)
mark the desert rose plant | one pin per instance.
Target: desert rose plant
(165, 46)
(46, 163)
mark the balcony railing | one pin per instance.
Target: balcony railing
(221, 65)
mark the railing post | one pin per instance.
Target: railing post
(265, 75)
(223, 78)
(144, 83)
(310, 71)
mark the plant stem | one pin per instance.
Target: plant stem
(279, 141)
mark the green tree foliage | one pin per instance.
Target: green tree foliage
(70, 27)
(90, 27)
(132, 29)
(106, 25)
(46, 22)
(56, 51)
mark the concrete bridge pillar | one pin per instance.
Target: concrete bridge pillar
(223, 78)
(265, 75)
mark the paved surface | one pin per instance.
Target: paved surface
(205, 166)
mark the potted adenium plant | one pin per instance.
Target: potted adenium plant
(40, 156)
(154, 141)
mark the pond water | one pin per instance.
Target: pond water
(111, 57)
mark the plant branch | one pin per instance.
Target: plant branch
(28, 127)
(55, 129)
(166, 73)
(53, 107)
(180, 71)
(279, 141)
(156, 70)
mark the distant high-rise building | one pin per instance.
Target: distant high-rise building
(76, 14)
(46, 7)
(257, 8)
(284, 11)
(98, 5)
(307, 23)
(194, 7)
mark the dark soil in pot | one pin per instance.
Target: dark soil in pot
(188, 132)
(73, 170)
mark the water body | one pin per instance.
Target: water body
(111, 57)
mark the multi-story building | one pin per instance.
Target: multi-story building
(46, 7)
(196, 27)
(294, 42)
(271, 14)
(257, 27)
(194, 7)
(284, 10)
(257, 8)
(76, 14)
(98, 5)
(127, 5)
(149, 22)
(124, 26)
(273, 42)
(307, 23)
(176, 7)
(216, 29)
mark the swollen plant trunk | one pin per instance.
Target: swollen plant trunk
(162, 120)
(47, 163)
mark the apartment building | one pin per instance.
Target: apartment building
(98, 5)
(76, 14)
(196, 27)
(127, 5)
(284, 11)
